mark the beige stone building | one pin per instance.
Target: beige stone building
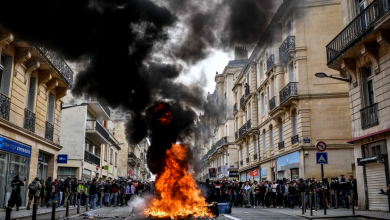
(361, 51)
(33, 81)
(280, 108)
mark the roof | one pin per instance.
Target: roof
(238, 62)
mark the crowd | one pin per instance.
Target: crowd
(284, 193)
(110, 192)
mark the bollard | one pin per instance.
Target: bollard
(324, 200)
(78, 206)
(67, 208)
(87, 205)
(8, 213)
(53, 211)
(310, 203)
(315, 201)
(337, 200)
(34, 213)
(101, 201)
(302, 203)
(353, 202)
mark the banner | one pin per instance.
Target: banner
(251, 173)
(255, 172)
(224, 170)
(130, 172)
(212, 172)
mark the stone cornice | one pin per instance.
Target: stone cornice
(29, 134)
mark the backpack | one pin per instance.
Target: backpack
(33, 188)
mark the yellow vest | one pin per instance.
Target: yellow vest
(80, 187)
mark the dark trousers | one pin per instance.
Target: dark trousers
(128, 197)
(279, 199)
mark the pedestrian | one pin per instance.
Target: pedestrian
(74, 195)
(129, 192)
(290, 195)
(33, 192)
(218, 192)
(280, 193)
(344, 192)
(100, 193)
(81, 193)
(53, 193)
(15, 198)
(253, 187)
(92, 190)
(257, 195)
(48, 189)
(122, 193)
(353, 185)
(114, 193)
(61, 187)
(87, 185)
(107, 193)
(247, 193)
(263, 194)
(273, 194)
(42, 192)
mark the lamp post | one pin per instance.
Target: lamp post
(323, 75)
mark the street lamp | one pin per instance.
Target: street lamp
(323, 75)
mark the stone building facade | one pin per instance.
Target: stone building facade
(33, 81)
(361, 51)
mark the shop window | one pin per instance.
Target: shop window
(31, 93)
(294, 174)
(50, 108)
(374, 149)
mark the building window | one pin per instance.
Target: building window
(50, 108)
(116, 159)
(5, 73)
(111, 155)
(31, 93)
(288, 29)
(96, 150)
(247, 149)
(374, 149)
(271, 138)
(281, 132)
(88, 146)
(368, 86)
(241, 154)
(294, 125)
(255, 145)
(291, 72)
(360, 6)
(270, 49)
(262, 104)
(105, 152)
(264, 143)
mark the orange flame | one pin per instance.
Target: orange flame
(167, 117)
(179, 195)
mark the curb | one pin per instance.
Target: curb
(38, 214)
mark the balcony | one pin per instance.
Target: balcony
(281, 145)
(242, 102)
(288, 91)
(57, 63)
(49, 130)
(247, 90)
(369, 116)
(255, 157)
(359, 28)
(221, 142)
(287, 46)
(100, 107)
(244, 128)
(235, 108)
(247, 160)
(132, 158)
(294, 139)
(270, 62)
(272, 103)
(91, 158)
(97, 132)
(241, 163)
(29, 120)
(5, 103)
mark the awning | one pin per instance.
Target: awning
(367, 135)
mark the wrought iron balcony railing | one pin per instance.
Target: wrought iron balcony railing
(270, 62)
(249, 124)
(91, 158)
(288, 91)
(242, 100)
(255, 157)
(241, 162)
(294, 139)
(354, 32)
(369, 116)
(29, 120)
(49, 131)
(247, 160)
(287, 45)
(57, 63)
(221, 142)
(95, 125)
(235, 108)
(281, 145)
(272, 103)
(5, 103)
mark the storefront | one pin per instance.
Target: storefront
(14, 160)
(288, 166)
(43, 164)
(64, 172)
(264, 173)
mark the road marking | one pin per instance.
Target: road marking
(231, 217)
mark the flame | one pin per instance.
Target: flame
(167, 117)
(179, 195)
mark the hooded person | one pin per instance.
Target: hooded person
(15, 198)
(48, 189)
(33, 192)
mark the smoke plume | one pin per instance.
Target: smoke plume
(134, 53)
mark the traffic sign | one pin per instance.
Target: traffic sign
(321, 146)
(322, 157)
(97, 167)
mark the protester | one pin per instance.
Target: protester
(15, 198)
(114, 193)
(33, 192)
(42, 192)
(107, 193)
(92, 193)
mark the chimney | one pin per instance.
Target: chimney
(240, 53)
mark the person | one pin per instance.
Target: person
(122, 193)
(353, 186)
(233, 194)
(33, 192)
(74, 195)
(212, 191)
(344, 192)
(273, 194)
(253, 187)
(129, 192)
(114, 193)
(81, 193)
(280, 192)
(290, 195)
(93, 190)
(247, 192)
(107, 193)
(53, 193)
(42, 192)
(60, 191)
(100, 193)
(218, 192)
(263, 193)
(257, 195)
(48, 189)
(15, 198)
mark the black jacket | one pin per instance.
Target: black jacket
(93, 189)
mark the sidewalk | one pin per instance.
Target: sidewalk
(23, 212)
(332, 213)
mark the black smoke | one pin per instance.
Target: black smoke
(119, 37)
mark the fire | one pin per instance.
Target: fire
(166, 118)
(179, 195)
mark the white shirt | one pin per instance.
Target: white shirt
(273, 187)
